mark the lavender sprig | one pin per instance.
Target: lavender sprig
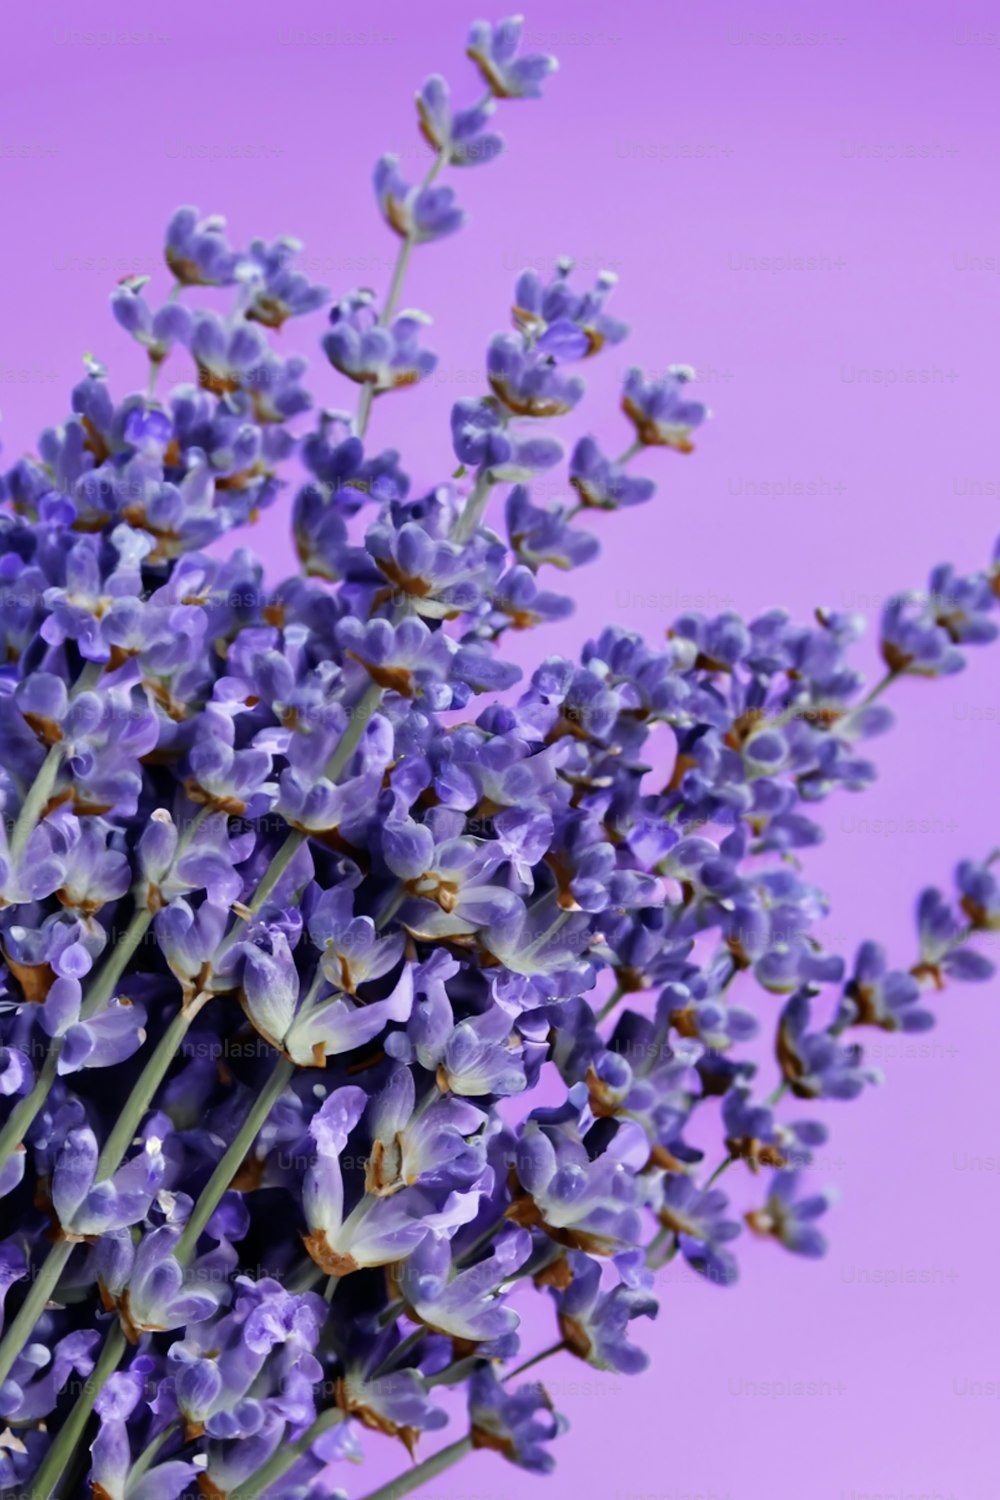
(285, 931)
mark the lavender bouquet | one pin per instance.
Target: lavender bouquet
(340, 1014)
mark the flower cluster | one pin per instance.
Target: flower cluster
(293, 930)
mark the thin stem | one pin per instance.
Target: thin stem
(38, 794)
(64, 1445)
(149, 1453)
(390, 905)
(95, 999)
(475, 505)
(361, 716)
(149, 1080)
(455, 1373)
(206, 1205)
(407, 1483)
(878, 689)
(211, 1194)
(610, 1003)
(400, 1352)
(36, 801)
(659, 1241)
(286, 1455)
(481, 1240)
(392, 297)
(17, 1335)
(536, 1359)
(27, 1109)
(723, 1166)
(108, 1163)
(630, 452)
(398, 277)
(116, 963)
(308, 1275)
(364, 408)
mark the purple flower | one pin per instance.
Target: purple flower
(149, 1287)
(460, 135)
(879, 996)
(437, 1145)
(494, 50)
(602, 484)
(419, 214)
(594, 1323)
(516, 1424)
(465, 1304)
(540, 535)
(85, 1206)
(391, 1401)
(817, 1064)
(697, 1217)
(112, 1458)
(913, 641)
(790, 1219)
(944, 950)
(384, 357)
(281, 292)
(756, 1136)
(197, 251)
(659, 409)
(586, 1203)
(377, 1231)
(97, 1041)
(564, 322)
(481, 437)
(157, 332)
(528, 381)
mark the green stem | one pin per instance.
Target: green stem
(398, 277)
(610, 1003)
(40, 790)
(287, 1455)
(64, 1444)
(656, 1244)
(475, 505)
(152, 1075)
(108, 1163)
(18, 1333)
(95, 999)
(400, 1352)
(148, 1454)
(36, 801)
(364, 408)
(723, 1166)
(630, 452)
(392, 297)
(208, 1200)
(22, 1116)
(878, 689)
(536, 1359)
(116, 963)
(361, 715)
(407, 1483)
(230, 1163)
(27, 1108)
(481, 1241)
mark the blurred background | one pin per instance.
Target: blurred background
(800, 201)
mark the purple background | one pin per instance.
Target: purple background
(679, 146)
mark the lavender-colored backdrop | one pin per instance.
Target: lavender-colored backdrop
(800, 200)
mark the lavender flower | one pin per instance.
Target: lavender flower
(385, 985)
